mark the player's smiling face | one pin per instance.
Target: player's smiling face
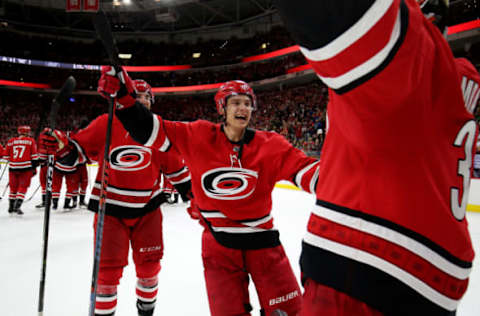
(144, 98)
(238, 111)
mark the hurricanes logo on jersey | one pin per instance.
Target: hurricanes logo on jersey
(130, 158)
(229, 183)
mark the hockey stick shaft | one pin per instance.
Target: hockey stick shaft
(1, 177)
(101, 210)
(3, 172)
(5, 190)
(103, 30)
(33, 194)
(64, 93)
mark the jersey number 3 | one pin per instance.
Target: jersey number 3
(466, 136)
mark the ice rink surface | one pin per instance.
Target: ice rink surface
(181, 288)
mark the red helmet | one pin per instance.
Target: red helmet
(235, 87)
(24, 130)
(143, 86)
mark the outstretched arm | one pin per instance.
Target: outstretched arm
(348, 42)
(143, 126)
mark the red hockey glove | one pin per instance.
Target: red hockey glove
(117, 85)
(193, 210)
(53, 142)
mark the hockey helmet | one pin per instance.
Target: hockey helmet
(24, 130)
(235, 87)
(436, 11)
(143, 86)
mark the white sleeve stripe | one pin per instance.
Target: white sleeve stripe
(181, 181)
(314, 180)
(301, 173)
(154, 135)
(176, 174)
(368, 66)
(352, 35)
(165, 145)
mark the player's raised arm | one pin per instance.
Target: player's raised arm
(349, 42)
(142, 125)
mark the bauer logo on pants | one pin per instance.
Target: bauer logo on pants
(130, 158)
(229, 183)
(284, 298)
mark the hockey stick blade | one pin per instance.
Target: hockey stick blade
(64, 93)
(104, 32)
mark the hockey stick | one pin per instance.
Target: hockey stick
(104, 32)
(1, 177)
(3, 172)
(5, 190)
(33, 194)
(60, 99)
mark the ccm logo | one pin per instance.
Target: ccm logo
(284, 298)
(150, 249)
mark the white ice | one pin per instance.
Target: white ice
(181, 287)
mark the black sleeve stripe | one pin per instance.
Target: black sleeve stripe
(314, 24)
(138, 121)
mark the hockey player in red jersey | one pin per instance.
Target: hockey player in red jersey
(65, 171)
(2, 152)
(234, 170)
(388, 235)
(42, 176)
(82, 182)
(21, 152)
(80, 177)
(133, 199)
(476, 162)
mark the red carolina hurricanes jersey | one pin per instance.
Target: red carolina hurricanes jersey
(2, 152)
(231, 182)
(396, 160)
(135, 170)
(21, 152)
